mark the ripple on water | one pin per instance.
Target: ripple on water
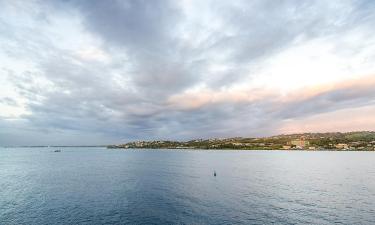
(100, 186)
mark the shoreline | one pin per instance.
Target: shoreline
(281, 150)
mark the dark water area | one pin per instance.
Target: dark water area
(100, 186)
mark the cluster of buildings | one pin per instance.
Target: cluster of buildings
(296, 142)
(356, 146)
(300, 143)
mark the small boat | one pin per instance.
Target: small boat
(57, 150)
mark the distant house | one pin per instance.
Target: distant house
(237, 144)
(342, 146)
(300, 143)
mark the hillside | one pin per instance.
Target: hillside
(360, 140)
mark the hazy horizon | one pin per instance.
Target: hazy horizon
(101, 72)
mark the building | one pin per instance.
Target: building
(342, 146)
(301, 143)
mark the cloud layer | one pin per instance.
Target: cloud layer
(96, 72)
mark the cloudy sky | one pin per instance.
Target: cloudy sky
(98, 72)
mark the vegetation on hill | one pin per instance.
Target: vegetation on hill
(361, 140)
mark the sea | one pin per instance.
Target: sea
(128, 186)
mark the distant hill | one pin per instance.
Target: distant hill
(359, 140)
(349, 136)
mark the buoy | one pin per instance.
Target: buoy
(214, 173)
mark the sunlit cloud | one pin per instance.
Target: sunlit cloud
(344, 120)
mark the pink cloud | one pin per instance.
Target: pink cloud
(362, 118)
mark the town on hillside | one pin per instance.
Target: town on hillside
(350, 141)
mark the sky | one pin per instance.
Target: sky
(103, 72)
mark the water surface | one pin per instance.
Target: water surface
(100, 186)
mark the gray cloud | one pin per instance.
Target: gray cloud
(8, 101)
(353, 96)
(159, 49)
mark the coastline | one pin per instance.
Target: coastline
(334, 141)
(240, 150)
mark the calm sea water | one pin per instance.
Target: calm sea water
(100, 186)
